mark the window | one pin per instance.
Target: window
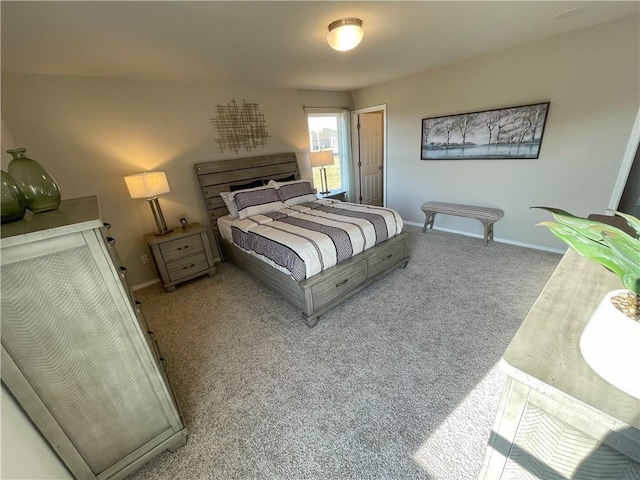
(325, 134)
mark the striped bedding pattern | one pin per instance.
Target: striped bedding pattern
(308, 238)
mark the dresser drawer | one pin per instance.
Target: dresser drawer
(187, 266)
(330, 290)
(386, 257)
(181, 247)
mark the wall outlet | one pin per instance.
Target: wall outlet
(144, 258)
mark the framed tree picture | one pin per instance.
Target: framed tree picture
(514, 132)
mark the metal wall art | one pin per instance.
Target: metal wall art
(514, 132)
(240, 126)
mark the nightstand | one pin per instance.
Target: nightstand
(181, 255)
(336, 196)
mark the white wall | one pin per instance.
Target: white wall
(88, 133)
(591, 78)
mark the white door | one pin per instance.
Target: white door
(370, 135)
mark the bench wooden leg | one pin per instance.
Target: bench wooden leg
(488, 231)
(428, 221)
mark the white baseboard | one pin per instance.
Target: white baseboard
(495, 239)
(145, 284)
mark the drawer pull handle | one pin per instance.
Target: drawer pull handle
(183, 248)
(111, 241)
(106, 225)
(342, 283)
(388, 256)
(189, 266)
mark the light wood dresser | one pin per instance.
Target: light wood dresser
(76, 350)
(183, 254)
(557, 418)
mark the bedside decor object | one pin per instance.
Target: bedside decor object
(182, 220)
(149, 185)
(514, 132)
(39, 189)
(182, 255)
(240, 126)
(345, 34)
(609, 342)
(322, 159)
(13, 203)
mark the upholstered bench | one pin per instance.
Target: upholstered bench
(488, 216)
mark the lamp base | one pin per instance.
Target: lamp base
(157, 215)
(323, 181)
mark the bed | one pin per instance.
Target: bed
(315, 294)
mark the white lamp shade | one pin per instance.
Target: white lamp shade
(345, 34)
(323, 158)
(147, 185)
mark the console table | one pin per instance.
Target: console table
(557, 418)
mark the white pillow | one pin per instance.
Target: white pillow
(231, 205)
(295, 192)
(253, 201)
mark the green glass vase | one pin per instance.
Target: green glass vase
(38, 187)
(13, 204)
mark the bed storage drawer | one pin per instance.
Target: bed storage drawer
(386, 257)
(187, 266)
(331, 289)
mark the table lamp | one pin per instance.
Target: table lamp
(322, 159)
(149, 185)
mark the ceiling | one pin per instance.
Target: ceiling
(279, 44)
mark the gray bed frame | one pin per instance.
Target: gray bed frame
(315, 295)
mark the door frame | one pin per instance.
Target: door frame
(625, 166)
(355, 151)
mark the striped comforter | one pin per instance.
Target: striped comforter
(308, 238)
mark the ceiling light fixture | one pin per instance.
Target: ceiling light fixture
(345, 34)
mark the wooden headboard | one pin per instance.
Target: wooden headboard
(216, 176)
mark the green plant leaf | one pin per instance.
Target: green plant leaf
(603, 243)
(627, 251)
(584, 245)
(583, 226)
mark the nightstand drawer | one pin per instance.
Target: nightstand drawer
(181, 247)
(187, 266)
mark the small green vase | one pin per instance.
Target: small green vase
(13, 204)
(38, 187)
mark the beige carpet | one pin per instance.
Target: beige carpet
(398, 382)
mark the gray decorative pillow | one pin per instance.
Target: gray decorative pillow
(296, 192)
(255, 201)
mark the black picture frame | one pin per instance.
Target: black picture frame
(183, 222)
(503, 133)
